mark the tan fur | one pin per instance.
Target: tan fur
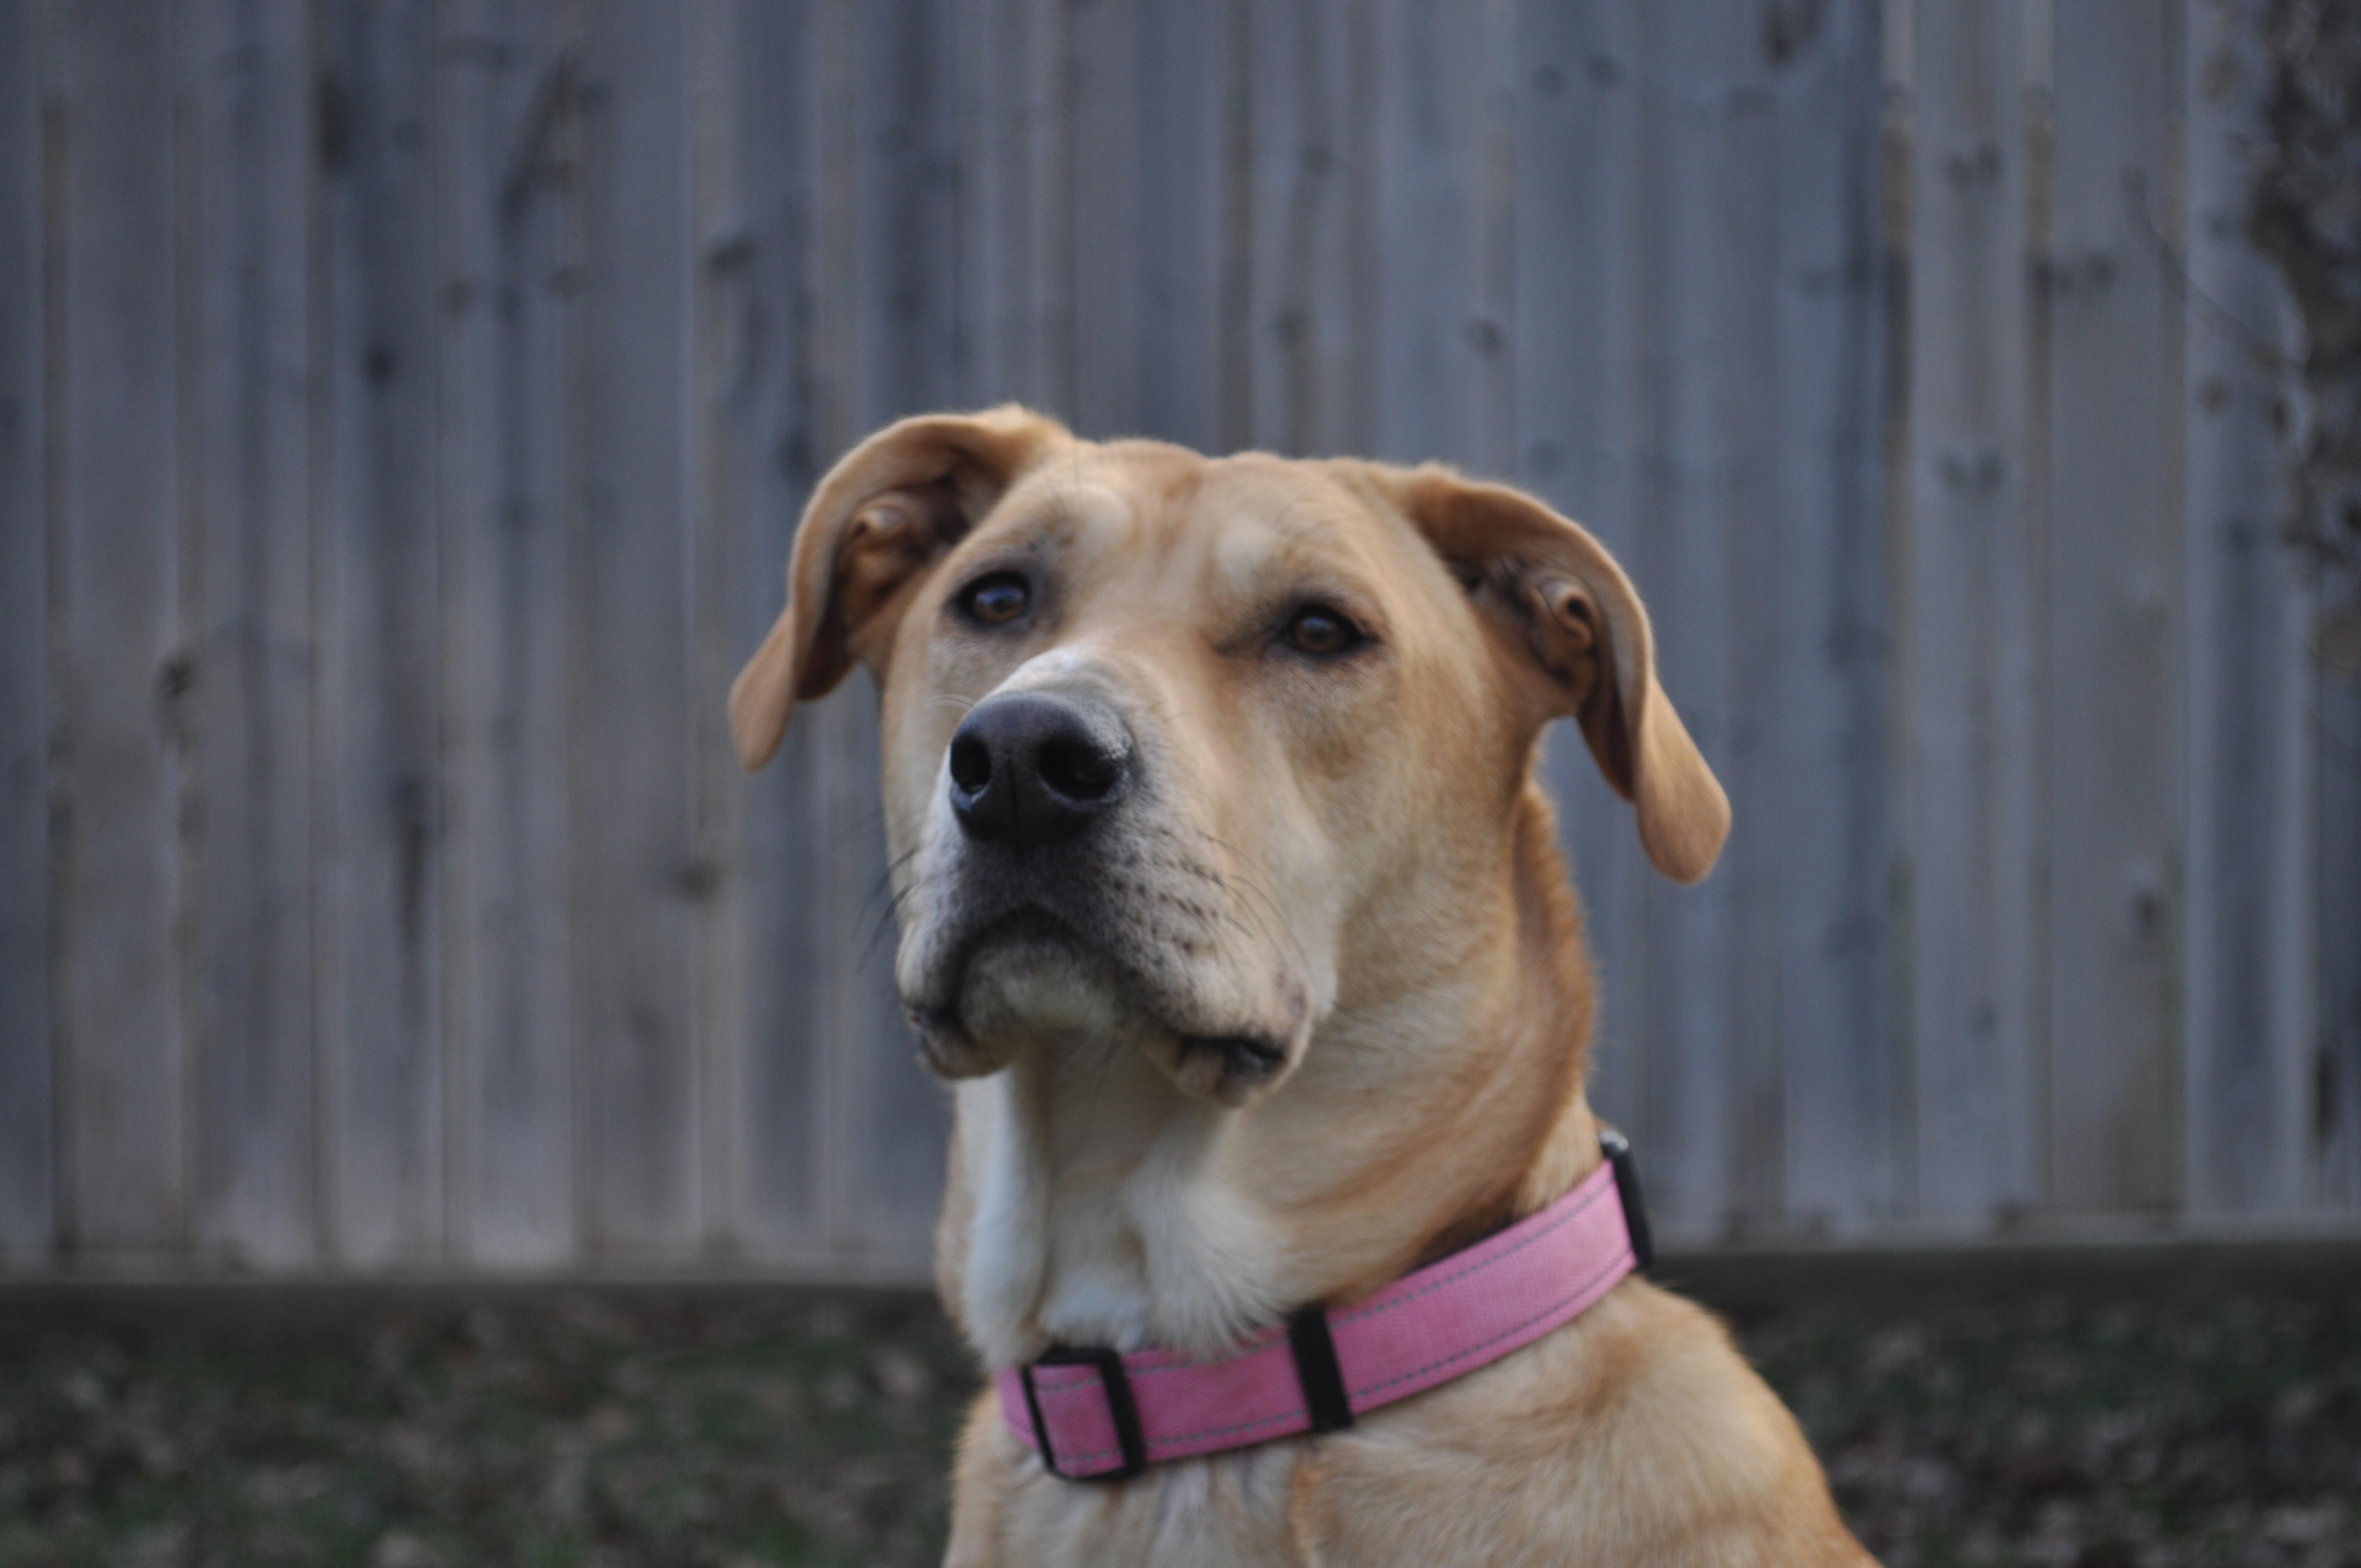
(1349, 860)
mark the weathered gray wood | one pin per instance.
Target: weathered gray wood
(506, 94)
(632, 743)
(831, 757)
(122, 677)
(905, 172)
(1182, 177)
(763, 936)
(1581, 360)
(2115, 730)
(722, 244)
(1844, 1140)
(1104, 78)
(2335, 740)
(1005, 64)
(1699, 106)
(518, 330)
(1968, 632)
(249, 187)
(380, 632)
(1311, 211)
(1441, 262)
(895, 1115)
(27, 1147)
(2249, 952)
(1729, 543)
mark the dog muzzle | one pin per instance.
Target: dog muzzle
(1095, 1415)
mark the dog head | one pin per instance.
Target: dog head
(1188, 754)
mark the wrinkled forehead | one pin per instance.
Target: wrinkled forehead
(1228, 526)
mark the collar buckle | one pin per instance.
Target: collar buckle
(1121, 1409)
(1617, 1150)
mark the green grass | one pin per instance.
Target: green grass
(817, 1430)
(2225, 1432)
(810, 1432)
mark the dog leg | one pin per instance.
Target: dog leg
(977, 1489)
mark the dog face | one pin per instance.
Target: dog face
(1190, 755)
(1161, 731)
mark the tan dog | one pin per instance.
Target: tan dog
(1229, 900)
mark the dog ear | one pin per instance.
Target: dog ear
(875, 527)
(1568, 605)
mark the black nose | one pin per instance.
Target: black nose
(1032, 767)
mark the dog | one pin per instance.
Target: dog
(1232, 910)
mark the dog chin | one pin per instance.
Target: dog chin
(1027, 986)
(1038, 988)
(1042, 991)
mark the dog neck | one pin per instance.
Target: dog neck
(1091, 1202)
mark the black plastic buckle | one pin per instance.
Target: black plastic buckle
(1617, 1150)
(1324, 1398)
(1120, 1405)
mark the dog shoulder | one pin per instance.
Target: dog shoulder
(1636, 1433)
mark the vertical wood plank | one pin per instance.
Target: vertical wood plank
(905, 212)
(1579, 365)
(1969, 656)
(1105, 75)
(28, 1145)
(380, 632)
(1312, 214)
(250, 191)
(1728, 550)
(1445, 326)
(633, 754)
(636, 275)
(1179, 251)
(907, 164)
(1054, 151)
(1696, 471)
(2250, 949)
(1831, 682)
(2114, 721)
(2335, 770)
(1234, 208)
(765, 936)
(839, 764)
(721, 245)
(1003, 64)
(507, 155)
(121, 679)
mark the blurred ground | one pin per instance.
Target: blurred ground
(814, 1430)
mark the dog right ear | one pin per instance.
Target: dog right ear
(891, 508)
(1581, 641)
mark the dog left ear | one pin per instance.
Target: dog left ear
(1579, 627)
(889, 510)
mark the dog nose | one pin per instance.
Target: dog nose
(1034, 767)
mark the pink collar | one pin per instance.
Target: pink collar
(1109, 1416)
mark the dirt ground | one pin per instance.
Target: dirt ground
(813, 1430)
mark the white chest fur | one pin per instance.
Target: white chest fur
(1104, 1211)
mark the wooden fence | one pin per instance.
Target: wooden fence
(404, 407)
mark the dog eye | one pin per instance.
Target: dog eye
(997, 599)
(1317, 630)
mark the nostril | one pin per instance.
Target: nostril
(971, 763)
(1077, 769)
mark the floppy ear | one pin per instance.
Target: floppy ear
(1586, 637)
(875, 527)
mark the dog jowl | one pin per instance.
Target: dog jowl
(1232, 910)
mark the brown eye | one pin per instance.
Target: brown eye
(996, 601)
(1317, 630)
